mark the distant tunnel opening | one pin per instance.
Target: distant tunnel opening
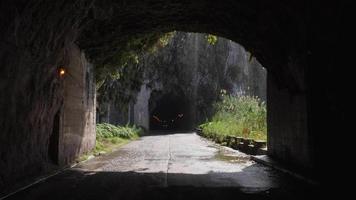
(170, 112)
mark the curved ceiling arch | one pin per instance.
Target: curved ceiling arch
(273, 31)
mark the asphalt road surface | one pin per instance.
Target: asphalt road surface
(170, 166)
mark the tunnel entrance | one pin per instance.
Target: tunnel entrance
(278, 33)
(54, 140)
(170, 112)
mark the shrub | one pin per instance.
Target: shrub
(243, 116)
(109, 131)
(109, 136)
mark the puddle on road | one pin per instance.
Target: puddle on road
(102, 160)
(223, 154)
(227, 156)
(93, 165)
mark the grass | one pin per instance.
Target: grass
(109, 137)
(242, 116)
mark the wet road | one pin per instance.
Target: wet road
(170, 166)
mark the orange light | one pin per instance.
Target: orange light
(62, 72)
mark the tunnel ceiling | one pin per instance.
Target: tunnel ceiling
(274, 31)
(259, 26)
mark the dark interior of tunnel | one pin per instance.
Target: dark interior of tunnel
(170, 112)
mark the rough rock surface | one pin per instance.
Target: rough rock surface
(77, 114)
(196, 71)
(36, 37)
(189, 63)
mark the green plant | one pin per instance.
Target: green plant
(109, 131)
(118, 72)
(212, 39)
(109, 136)
(242, 116)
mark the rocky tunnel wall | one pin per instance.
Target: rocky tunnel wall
(141, 108)
(35, 42)
(77, 118)
(288, 137)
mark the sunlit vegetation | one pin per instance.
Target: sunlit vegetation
(109, 136)
(212, 39)
(242, 116)
(112, 65)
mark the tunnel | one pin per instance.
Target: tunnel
(39, 37)
(171, 112)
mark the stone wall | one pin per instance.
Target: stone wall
(289, 139)
(33, 45)
(112, 114)
(141, 108)
(60, 110)
(77, 129)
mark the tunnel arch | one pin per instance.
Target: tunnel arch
(274, 32)
(37, 38)
(276, 42)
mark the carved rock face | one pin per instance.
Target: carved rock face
(191, 68)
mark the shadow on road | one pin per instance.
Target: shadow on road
(168, 132)
(77, 184)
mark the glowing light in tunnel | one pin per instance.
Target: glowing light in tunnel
(62, 71)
